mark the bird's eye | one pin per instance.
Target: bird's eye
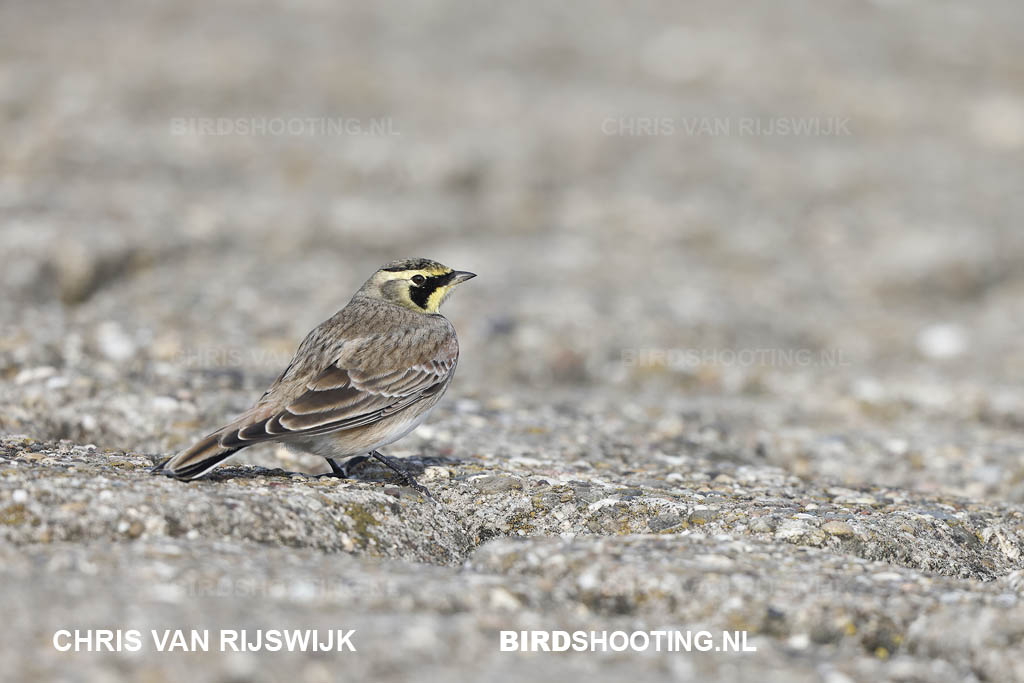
(418, 279)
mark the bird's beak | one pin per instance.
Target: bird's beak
(460, 276)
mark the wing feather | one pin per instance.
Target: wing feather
(328, 400)
(344, 398)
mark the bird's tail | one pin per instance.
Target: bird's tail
(197, 460)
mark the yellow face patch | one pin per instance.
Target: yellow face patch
(437, 298)
(425, 289)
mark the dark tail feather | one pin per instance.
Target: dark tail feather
(197, 460)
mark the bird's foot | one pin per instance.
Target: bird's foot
(343, 471)
(404, 475)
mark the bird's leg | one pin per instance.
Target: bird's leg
(403, 474)
(343, 471)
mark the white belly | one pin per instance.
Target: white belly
(342, 445)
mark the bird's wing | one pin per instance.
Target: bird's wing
(344, 398)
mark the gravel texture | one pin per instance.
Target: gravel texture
(713, 376)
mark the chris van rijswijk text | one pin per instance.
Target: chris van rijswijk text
(193, 640)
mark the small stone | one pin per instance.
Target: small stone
(113, 342)
(942, 341)
(164, 404)
(502, 600)
(664, 521)
(702, 516)
(837, 677)
(897, 446)
(799, 641)
(799, 532)
(837, 528)
(29, 375)
(436, 473)
(497, 483)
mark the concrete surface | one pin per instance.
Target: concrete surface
(744, 352)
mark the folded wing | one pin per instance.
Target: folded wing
(342, 398)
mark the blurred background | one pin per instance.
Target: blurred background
(797, 225)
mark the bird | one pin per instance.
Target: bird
(362, 379)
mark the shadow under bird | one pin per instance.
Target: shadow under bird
(362, 379)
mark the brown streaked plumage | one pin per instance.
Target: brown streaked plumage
(361, 380)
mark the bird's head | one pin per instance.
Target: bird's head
(418, 284)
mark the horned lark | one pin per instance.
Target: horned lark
(361, 380)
